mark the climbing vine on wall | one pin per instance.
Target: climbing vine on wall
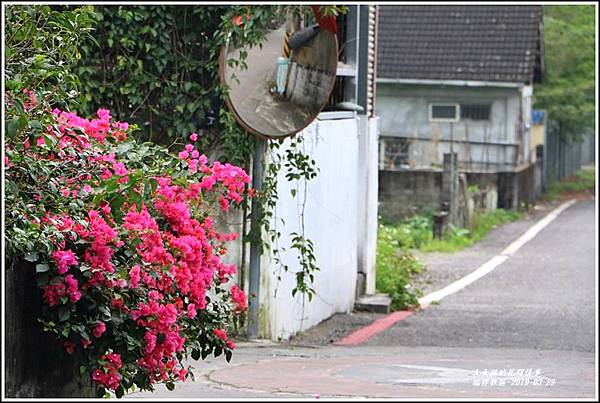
(299, 169)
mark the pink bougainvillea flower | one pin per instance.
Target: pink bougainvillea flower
(155, 261)
(103, 114)
(191, 311)
(239, 298)
(106, 174)
(64, 259)
(99, 329)
(69, 346)
(120, 169)
(221, 334)
(109, 376)
(72, 288)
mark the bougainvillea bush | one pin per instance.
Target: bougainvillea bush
(122, 237)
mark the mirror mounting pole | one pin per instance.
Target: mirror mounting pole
(255, 244)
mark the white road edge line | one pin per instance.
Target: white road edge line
(496, 260)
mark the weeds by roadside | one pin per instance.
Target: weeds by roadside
(459, 238)
(396, 265)
(582, 181)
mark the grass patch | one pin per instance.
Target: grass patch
(583, 180)
(417, 231)
(396, 267)
(459, 238)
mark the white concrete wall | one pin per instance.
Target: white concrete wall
(368, 185)
(330, 221)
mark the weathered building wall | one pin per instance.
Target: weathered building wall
(481, 145)
(408, 192)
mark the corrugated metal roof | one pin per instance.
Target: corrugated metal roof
(459, 42)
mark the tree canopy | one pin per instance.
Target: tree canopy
(568, 90)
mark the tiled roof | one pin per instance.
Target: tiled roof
(459, 42)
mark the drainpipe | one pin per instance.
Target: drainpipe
(255, 242)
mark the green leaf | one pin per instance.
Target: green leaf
(100, 392)
(35, 125)
(105, 311)
(64, 313)
(11, 128)
(196, 354)
(31, 257)
(170, 386)
(18, 105)
(119, 392)
(41, 268)
(42, 280)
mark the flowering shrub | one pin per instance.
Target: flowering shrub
(128, 258)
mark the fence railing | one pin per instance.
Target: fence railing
(562, 158)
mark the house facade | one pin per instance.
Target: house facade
(456, 79)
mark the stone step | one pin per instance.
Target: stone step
(379, 303)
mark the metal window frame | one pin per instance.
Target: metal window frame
(456, 112)
(385, 143)
(488, 105)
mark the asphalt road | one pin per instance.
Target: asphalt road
(536, 311)
(543, 297)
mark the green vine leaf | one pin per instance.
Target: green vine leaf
(41, 268)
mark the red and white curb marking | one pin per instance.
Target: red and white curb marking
(363, 334)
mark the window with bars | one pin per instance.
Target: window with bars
(453, 112)
(443, 112)
(475, 111)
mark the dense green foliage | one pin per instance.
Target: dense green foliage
(582, 181)
(164, 74)
(396, 267)
(568, 91)
(417, 232)
(40, 47)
